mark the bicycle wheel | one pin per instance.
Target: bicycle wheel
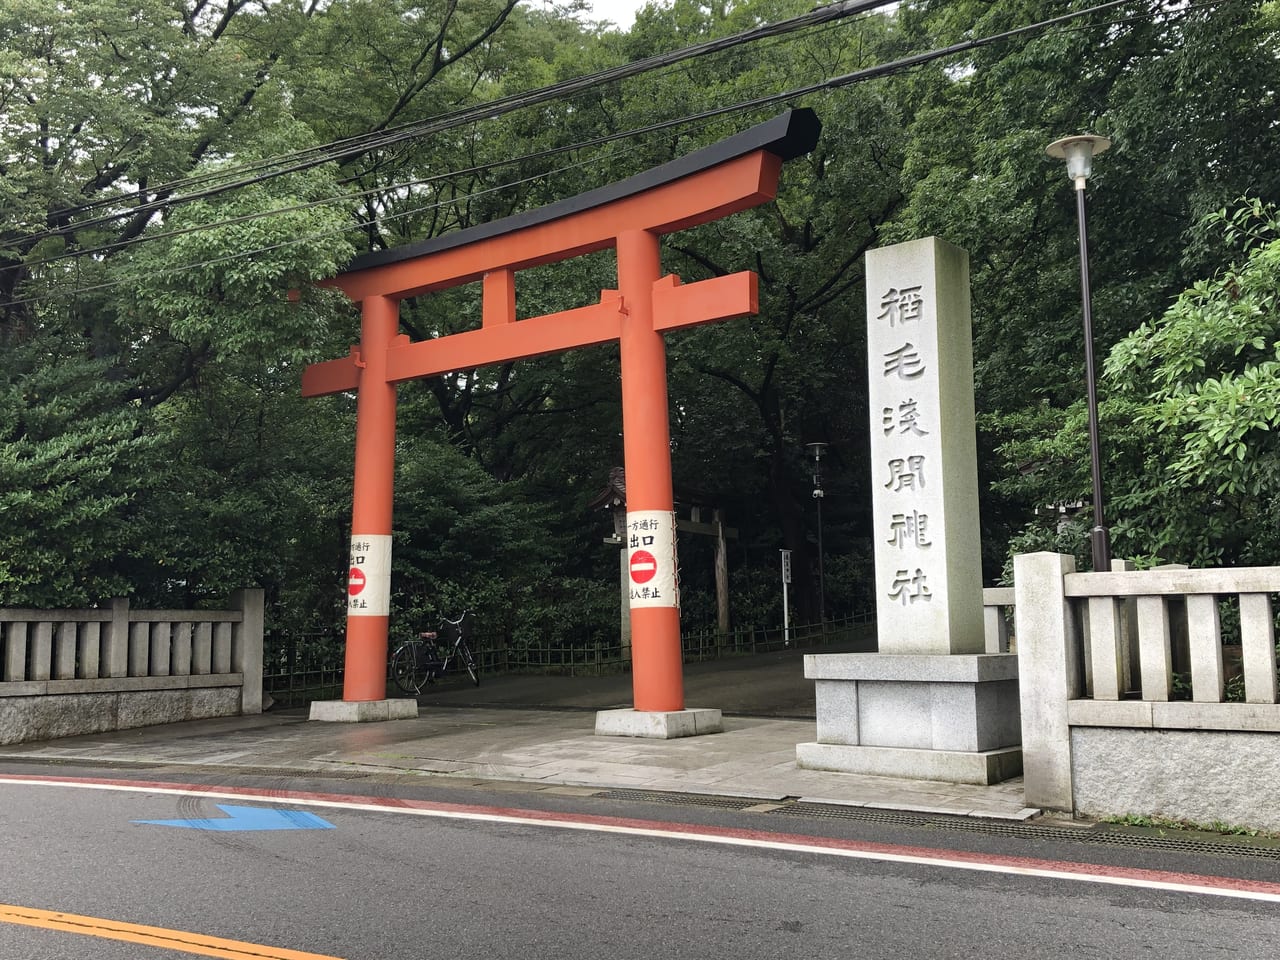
(469, 661)
(405, 672)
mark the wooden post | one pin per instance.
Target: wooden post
(722, 575)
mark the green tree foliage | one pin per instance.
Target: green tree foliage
(152, 439)
(1204, 385)
(1187, 93)
(230, 272)
(1192, 468)
(151, 435)
(1212, 362)
(73, 460)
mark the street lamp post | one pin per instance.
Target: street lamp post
(1079, 152)
(816, 450)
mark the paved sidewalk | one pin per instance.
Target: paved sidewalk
(754, 757)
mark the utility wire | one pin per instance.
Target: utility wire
(346, 198)
(355, 146)
(842, 9)
(292, 208)
(858, 76)
(271, 248)
(919, 59)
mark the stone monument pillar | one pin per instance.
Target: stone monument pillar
(930, 704)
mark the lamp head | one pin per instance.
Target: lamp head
(1079, 152)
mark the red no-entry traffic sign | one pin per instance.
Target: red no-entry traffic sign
(643, 566)
(356, 581)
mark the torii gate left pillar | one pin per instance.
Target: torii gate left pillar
(630, 217)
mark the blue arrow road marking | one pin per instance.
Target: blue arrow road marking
(251, 818)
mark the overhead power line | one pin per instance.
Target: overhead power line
(775, 32)
(326, 201)
(869, 73)
(355, 146)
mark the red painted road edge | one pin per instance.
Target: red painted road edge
(1129, 876)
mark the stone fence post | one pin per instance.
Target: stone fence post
(246, 646)
(1048, 675)
(115, 658)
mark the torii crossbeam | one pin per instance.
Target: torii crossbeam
(630, 216)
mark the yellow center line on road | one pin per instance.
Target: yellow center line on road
(151, 936)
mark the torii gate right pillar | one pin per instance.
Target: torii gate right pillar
(657, 677)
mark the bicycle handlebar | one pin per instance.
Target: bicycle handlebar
(451, 628)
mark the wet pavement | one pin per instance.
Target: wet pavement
(539, 730)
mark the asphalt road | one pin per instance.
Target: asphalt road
(406, 871)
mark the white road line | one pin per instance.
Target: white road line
(790, 843)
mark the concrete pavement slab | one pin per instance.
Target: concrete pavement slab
(540, 730)
(753, 758)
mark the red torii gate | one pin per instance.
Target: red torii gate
(729, 176)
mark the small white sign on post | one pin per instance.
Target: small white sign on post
(786, 610)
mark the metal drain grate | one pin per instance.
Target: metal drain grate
(835, 811)
(1234, 847)
(839, 812)
(685, 799)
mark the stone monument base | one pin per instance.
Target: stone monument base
(363, 711)
(952, 766)
(658, 724)
(949, 717)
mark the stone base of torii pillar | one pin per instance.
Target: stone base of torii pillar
(363, 711)
(658, 724)
(931, 704)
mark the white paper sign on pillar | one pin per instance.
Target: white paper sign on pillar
(924, 477)
(369, 576)
(651, 558)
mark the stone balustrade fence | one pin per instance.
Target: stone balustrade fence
(997, 615)
(1149, 692)
(69, 672)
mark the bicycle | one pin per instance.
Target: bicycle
(424, 659)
